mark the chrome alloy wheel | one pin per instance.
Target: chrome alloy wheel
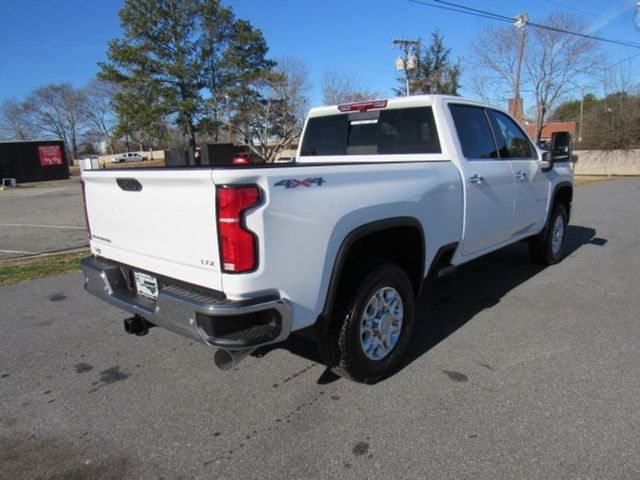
(381, 323)
(557, 235)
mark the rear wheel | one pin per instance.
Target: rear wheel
(372, 325)
(549, 249)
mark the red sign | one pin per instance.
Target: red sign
(50, 155)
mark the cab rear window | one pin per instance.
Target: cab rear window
(375, 132)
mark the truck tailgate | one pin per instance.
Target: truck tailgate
(163, 222)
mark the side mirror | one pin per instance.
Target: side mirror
(561, 147)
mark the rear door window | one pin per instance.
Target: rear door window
(474, 132)
(375, 132)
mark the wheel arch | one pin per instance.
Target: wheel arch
(563, 193)
(366, 239)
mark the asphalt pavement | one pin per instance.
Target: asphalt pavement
(41, 218)
(514, 372)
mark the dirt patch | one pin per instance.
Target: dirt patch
(29, 457)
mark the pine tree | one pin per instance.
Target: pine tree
(434, 73)
(247, 72)
(158, 59)
(188, 61)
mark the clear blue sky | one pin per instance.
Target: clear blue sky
(47, 41)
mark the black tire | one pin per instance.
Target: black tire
(343, 346)
(543, 248)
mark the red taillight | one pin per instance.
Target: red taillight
(238, 249)
(86, 217)
(362, 106)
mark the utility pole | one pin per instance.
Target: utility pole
(409, 62)
(520, 23)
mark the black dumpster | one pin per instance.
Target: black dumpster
(33, 160)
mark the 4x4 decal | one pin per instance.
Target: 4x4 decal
(294, 182)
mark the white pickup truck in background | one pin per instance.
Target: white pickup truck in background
(383, 195)
(129, 157)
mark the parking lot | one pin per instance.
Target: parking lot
(514, 372)
(41, 218)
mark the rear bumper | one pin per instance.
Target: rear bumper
(200, 315)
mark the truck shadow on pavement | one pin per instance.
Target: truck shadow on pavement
(448, 303)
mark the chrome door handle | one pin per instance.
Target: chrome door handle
(476, 179)
(520, 175)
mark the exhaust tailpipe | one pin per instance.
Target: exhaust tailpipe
(227, 359)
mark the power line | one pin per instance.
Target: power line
(584, 12)
(502, 18)
(488, 15)
(548, 27)
(622, 61)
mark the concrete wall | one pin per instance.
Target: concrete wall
(606, 162)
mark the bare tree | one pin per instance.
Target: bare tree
(58, 110)
(553, 61)
(614, 121)
(495, 64)
(341, 88)
(99, 109)
(14, 121)
(277, 117)
(296, 87)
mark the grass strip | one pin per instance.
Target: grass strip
(15, 271)
(582, 180)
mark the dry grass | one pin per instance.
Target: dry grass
(147, 164)
(581, 180)
(74, 170)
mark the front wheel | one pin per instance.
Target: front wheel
(549, 249)
(372, 325)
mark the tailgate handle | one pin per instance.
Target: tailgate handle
(129, 184)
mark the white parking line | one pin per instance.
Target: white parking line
(17, 251)
(29, 192)
(31, 225)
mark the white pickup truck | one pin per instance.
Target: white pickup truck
(383, 196)
(129, 157)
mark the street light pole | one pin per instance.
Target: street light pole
(582, 89)
(409, 62)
